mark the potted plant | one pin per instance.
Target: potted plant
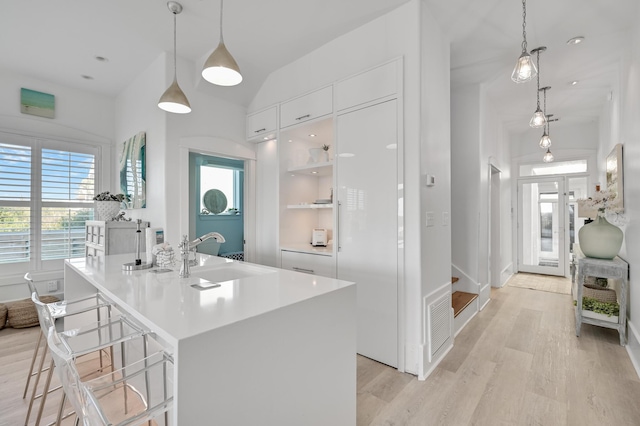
(108, 205)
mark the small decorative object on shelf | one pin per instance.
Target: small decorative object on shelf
(325, 148)
(601, 239)
(108, 205)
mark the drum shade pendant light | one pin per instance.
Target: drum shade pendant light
(525, 69)
(539, 119)
(174, 99)
(220, 68)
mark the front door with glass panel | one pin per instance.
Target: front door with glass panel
(541, 226)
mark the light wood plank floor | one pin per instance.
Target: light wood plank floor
(518, 362)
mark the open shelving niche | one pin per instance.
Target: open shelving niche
(302, 182)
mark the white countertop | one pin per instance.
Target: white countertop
(176, 311)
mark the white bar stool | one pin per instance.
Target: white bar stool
(143, 381)
(83, 340)
(95, 303)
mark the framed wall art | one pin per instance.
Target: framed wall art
(133, 170)
(614, 171)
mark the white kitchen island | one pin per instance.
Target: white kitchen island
(267, 347)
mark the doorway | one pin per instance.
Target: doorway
(541, 225)
(494, 227)
(216, 194)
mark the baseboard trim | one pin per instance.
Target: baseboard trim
(633, 347)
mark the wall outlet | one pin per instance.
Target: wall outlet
(431, 219)
(52, 286)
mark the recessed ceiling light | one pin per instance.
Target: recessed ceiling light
(101, 58)
(290, 140)
(574, 82)
(575, 40)
(266, 138)
(312, 135)
(86, 77)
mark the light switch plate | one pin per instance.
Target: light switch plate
(445, 218)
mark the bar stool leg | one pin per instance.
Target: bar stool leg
(61, 408)
(33, 361)
(35, 385)
(45, 391)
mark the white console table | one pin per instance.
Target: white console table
(616, 269)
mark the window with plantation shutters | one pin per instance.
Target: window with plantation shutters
(46, 195)
(15, 203)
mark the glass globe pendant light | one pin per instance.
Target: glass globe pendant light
(525, 69)
(173, 99)
(548, 156)
(220, 68)
(539, 119)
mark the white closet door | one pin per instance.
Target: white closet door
(368, 224)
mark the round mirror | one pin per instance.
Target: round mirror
(215, 201)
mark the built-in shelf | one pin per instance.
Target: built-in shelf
(309, 206)
(316, 169)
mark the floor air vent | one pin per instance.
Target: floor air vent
(439, 324)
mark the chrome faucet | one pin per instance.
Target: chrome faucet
(187, 246)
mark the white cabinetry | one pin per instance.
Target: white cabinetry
(374, 84)
(112, 237)
(308, 107)
(367, 240)
(262, 125)
(361, 177)
(309, 263)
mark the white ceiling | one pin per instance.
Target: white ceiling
(58, 40)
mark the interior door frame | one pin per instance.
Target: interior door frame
(217, 147)
(563, 248)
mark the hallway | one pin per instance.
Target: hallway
(518, 362)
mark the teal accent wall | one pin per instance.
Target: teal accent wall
(230, 226)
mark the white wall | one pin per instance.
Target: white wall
(465, 163)
(79, 116)
(137, 110)
(629, 131)
(495, 148)
(435, 159)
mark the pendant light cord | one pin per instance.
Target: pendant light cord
(524, 24)
(538, 81)
(545, 108)
(221, 39)
(175, 50)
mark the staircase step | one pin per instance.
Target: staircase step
(454, 280)
(460, 300)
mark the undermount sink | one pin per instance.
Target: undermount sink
(230, 271)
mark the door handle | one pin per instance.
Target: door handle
(338, 225)
(308, 271)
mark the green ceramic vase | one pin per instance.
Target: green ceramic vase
(600, 239)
